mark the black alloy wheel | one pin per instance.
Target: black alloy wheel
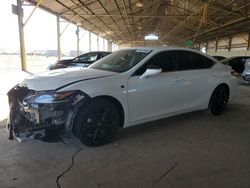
(97, 123)
(219, 100)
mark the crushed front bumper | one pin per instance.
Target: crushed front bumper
(29, 119)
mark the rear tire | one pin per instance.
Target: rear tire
(97, 123)
(218, 100)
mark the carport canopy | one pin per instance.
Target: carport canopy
(174, 21)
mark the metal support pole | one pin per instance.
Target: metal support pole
(89, 41)
(103, 45)
(229, 44)
(206, 46)
(109, 46)
(216, 45)
(21, 35)
(248, 42)
(77, 41)
(58, 38)
(98, 47)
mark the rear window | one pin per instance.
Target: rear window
(188, 60)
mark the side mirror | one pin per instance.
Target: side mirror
(151, 71)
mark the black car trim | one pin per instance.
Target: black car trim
(79, 81)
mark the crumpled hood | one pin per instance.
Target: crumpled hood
(54, 79)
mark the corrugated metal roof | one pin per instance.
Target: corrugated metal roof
(173, 20)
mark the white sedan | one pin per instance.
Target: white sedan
(125, 88)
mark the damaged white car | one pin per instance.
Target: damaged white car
(126, 88)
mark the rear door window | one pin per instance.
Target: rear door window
(190, 61)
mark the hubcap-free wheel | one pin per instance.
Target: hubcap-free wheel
(98, 123)
(219, 100)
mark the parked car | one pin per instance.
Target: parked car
(219, 58)
(126, 88)
(246, 72)
(237, 63)
(83, 60)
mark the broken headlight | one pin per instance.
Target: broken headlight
(51, 97)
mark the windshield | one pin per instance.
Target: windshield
(121, 61)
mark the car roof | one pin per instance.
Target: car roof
(239, 57)
(159, 49)
(98, 52)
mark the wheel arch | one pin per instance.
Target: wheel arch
(226, 86)
(221, 84)
(117, 103)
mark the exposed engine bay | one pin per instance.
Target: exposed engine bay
(35, 114)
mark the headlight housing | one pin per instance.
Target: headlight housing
(51, 97)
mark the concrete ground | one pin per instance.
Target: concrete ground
(191, 150)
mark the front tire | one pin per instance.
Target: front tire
(218, 100)
(97, 123)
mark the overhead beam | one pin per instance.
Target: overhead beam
(125, 9)
(67, 26)
(109, 15)
(219, 6)
(86, 7)
(222, 27)
(89, 22)
(192, 19)
(117, 6)
(33, 11)
(141, 16)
